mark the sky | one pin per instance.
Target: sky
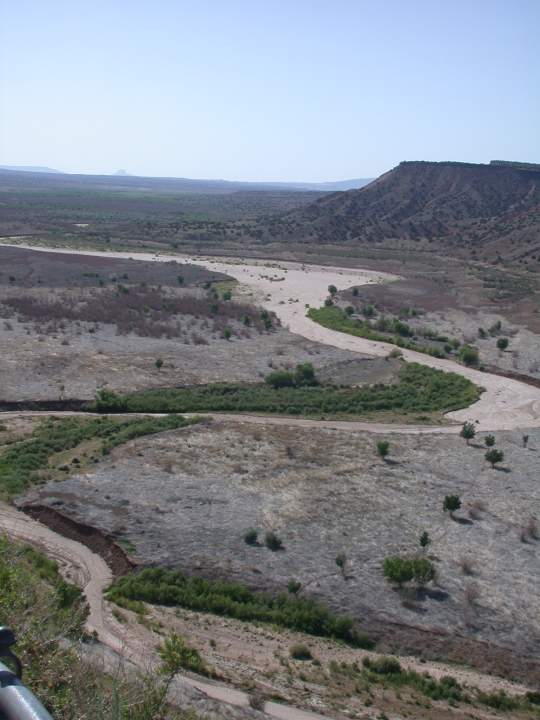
(310, 90)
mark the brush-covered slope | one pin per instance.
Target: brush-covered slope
(456, 203)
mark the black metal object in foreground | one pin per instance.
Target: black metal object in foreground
(16, 700)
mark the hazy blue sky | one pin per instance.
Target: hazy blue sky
(267, 89)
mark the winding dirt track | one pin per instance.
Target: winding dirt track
(505, 404)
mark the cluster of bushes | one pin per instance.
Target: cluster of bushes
(420, 389)
(447, 688)
(20, 463)
(142, 310)
(382, 330)
(393, 331)
(303, 376)
(401, 570)
(171, 587)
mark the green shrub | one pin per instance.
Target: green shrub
(294, 587)
(469, 354)
(468, 431)
(451, 503)
(382, 665)
(489, 440)
(502, 343)
(300, 652)
(175, 653)
(272, 541)
(251, 537)
(401, 570)
(494, 456)
(383, 448)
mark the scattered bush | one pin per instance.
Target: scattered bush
(502, 343)
(251, 537)
(294, 587)
(272, 541)
(383, 448)
(494, 456)
(382, 665)
(401, 570)
(425, 540)
(159, 363)
(300, 652)
(175, 653)
(451, 503)
(468, 354)
(468, 431)
(489, 440)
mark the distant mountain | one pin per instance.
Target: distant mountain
(459, 204)
(326, 186)
(29, 168)
(121, 180)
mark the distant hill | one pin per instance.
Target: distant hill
(29, 168)
(461, 204)
(121, 180)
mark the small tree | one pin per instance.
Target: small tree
(159, 363)
(332, 289)
(525, 439)
(226, 295)
(383, 448)
(451, 503)
(280, 379)
(272, 541)
(355, 291)
(328, 302)
(494, 456)
(468, 431)
(502, 343)
(180, 279)
(489, 440)
(349, 310)
(227, 334)
(425, 540)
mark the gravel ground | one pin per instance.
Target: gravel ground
(42, 367)
(185, 498)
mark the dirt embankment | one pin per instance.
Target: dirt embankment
(94, 539)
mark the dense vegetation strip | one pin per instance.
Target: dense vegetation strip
(419, 389)
(22, 462)
(172, 587)
(395, 332)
